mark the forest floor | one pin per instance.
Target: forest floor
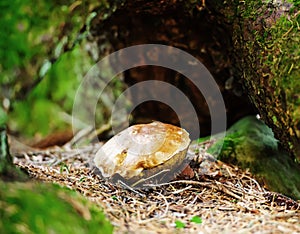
(219, 199)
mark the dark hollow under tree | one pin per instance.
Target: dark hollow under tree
(190, 27)
(250, 47)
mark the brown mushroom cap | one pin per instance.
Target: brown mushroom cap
(141, 148)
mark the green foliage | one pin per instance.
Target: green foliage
(48, 106)
(13, 43)
(31, 34)
(31, 29)
(42, 43)
(179, 224)
(196, 219)
(114, 197)
(46, 208)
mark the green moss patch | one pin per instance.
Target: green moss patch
(47, 208)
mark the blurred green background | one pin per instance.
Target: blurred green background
(43, 58)
(44, 55)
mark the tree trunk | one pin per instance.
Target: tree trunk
(8, 171)
(266, 38)
(250, 45)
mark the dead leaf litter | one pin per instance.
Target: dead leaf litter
(219, 199)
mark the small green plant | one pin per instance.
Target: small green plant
(114, 197)
(64, 167)
(196, 219)
(82, 179)
(179, 224)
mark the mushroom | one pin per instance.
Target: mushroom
(151, 153)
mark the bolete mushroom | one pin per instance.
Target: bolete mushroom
(151, 153)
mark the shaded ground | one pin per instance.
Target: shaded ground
(224, 197)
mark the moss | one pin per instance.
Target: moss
(285, 39)
(8, 171)
(251, 144)
(47, 208)
(267, 38)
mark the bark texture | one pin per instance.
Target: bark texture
(250, 46)
(267, 38)
(8, 171)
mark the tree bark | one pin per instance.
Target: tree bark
(255, 44)
(8, 171)
(266, 38)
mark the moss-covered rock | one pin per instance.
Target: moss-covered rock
(251, 144)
